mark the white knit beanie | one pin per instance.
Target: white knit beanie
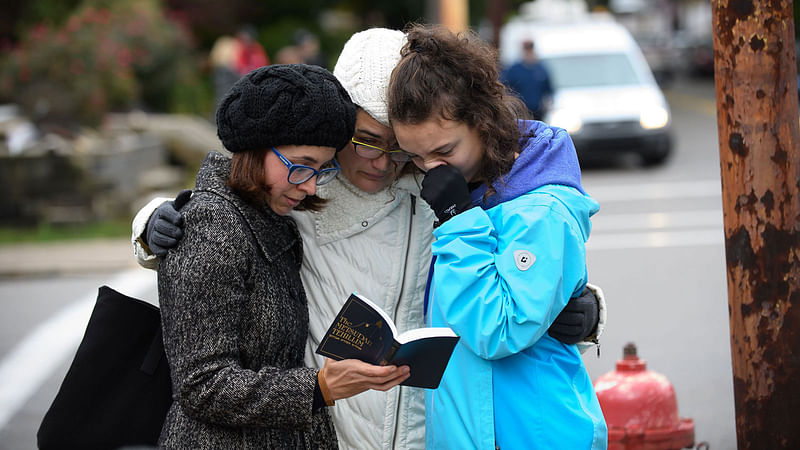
(364, 68)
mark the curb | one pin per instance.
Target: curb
(39, 259)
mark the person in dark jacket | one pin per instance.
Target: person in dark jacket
(234, 311)
(529, 79)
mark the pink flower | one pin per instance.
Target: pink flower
(38, 32)
(76, 68)
(73, 24)
(103, 16)
(124, 58)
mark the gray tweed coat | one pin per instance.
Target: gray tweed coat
(235, 323)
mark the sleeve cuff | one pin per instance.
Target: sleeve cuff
(322, 388)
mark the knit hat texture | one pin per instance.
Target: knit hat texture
(365, 66)
(288, 104)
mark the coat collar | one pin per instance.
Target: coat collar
(350, 210)
(275, 234)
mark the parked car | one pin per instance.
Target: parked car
(662, 55)
(605, 96)
(700, 54)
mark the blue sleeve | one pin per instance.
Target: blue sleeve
(484, 290)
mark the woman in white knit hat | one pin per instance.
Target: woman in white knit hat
(373, 236)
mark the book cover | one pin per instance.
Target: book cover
(362, 330)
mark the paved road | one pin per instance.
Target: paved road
(656, 249)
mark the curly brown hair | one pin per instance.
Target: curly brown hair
(456, 77)
(248, 179)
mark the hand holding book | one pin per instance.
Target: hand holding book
(349, 377)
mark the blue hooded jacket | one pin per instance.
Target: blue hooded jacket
(502, 274)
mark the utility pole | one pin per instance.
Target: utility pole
(757, 120)
(497, 14)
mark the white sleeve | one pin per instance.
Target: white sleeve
(591, 341)
(140, 249)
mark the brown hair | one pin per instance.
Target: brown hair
(248, 179)
(456, 77)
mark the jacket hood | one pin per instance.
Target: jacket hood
(547, 157)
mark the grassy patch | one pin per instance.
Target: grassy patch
(54, 233)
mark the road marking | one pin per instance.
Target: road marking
(656, 229)
(657, 220)
(656, 239)
(655, 191)
(29, 364)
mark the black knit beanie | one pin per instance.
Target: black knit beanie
(286, 104)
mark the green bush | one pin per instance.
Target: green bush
(105, 58)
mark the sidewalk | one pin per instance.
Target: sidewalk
(66, 258)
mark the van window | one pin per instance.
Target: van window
(610, 69)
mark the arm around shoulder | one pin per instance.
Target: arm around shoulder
(594, 339)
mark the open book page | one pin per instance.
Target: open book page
(388, 320)
(422, 333)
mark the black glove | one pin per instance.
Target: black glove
(445, 189)
(165, 226)
(578, 320)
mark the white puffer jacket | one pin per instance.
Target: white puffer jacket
(378, 245)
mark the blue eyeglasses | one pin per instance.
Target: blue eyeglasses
(299, 174)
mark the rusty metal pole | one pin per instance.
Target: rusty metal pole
(757, 120)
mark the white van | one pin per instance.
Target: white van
(605, 94)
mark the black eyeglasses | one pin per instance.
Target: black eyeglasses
(371, 152)
(299, 173)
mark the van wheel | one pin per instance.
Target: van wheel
(658, 153)
(655, 158)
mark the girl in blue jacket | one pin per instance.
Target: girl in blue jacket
(509, 252)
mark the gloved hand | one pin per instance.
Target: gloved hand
(445, 189)
(165, 226)
(577, 320)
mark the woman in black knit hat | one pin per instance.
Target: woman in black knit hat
(234, 310)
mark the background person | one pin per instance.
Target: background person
(223, 66)
(509, 250)
(530, 80)
(234, 311)
(308, 49)
(250, 55)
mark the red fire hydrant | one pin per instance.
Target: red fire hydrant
(640, 408)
